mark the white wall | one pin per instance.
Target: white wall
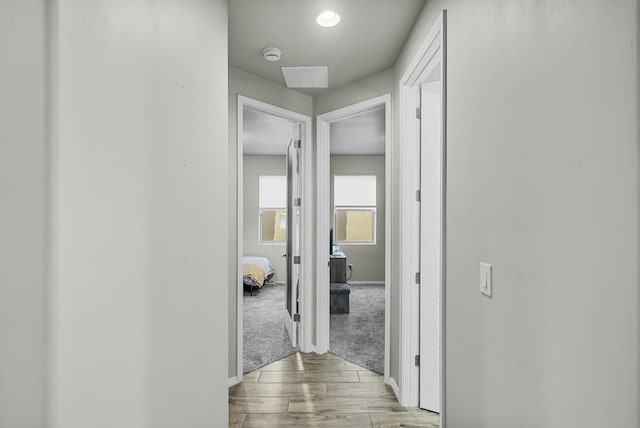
(249, 85)
(367, 260)
(542, 182)
(254, 167)
(138, 304)
(23, 192)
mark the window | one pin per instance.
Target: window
(354, 213)
(272, 206)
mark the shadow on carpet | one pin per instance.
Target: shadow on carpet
(358, 336)
(265, 338)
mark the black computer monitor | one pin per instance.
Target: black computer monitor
(331, 240)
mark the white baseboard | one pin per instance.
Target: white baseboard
(318, 351)
(232, 381)
(396, 389)
(311, 349)
(367, 282)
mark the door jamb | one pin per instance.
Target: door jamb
(322, 203)
(305, 300)
(431, 53)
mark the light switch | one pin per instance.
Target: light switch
(485, 279)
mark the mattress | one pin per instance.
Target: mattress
(264, 262)
(256, 271)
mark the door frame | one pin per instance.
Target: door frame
(323, 221)
(305, 296)
(431, 54)
(293, 243)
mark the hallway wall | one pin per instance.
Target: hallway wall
(23, 213)
(542, 182)
(368, 87)
(108, 189)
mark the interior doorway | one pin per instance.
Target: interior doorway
(353, 221)
(422, 226)
(273, 296)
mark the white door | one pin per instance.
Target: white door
(431, 212)
(294, 181)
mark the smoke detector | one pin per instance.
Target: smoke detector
(271, 54)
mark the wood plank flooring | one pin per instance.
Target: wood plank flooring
(311, 390)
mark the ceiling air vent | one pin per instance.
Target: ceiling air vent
(306, 77)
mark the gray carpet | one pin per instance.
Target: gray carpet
(265, 338)
(357, 337)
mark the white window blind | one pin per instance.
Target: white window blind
(354, 198)
(354, 190)
(273, 191)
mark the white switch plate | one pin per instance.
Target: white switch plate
(485, 279)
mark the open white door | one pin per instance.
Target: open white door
(431, 207)
(294, 181)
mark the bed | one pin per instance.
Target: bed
(256, 271)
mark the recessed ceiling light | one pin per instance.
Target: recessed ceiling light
(328, 18)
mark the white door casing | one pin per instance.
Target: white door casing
(294, 179)
(323, 221)
(306, 228)
(430, 244)
(423, 335)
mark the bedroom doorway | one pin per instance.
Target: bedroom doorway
(353, 169)
(271, 309)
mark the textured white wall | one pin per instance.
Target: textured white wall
(138, 308)
(377, 84)
(23, 190)
(542, 176)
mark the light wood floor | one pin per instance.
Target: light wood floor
(319, 390)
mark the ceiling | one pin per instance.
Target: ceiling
(362, 134)
(367, 40)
